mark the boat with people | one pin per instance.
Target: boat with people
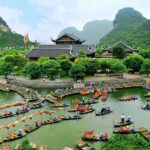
(14, 136)
(60, 104)
(11, 114)
(66, 117)
(85, 91)
(125, 123)
(96, 93)
(146, 107)
(125, 130)
(38, 105)
(88, 102)
(84, 146)
(128, 98)
(103, 113)
(31, 128)
(52, 121)
(91, 136)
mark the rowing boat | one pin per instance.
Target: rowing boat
(105, 113)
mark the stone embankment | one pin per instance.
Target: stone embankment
(26, 93)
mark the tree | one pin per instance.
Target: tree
(91, 67)
(62, 57)
(33, 70)
(77, 71)
(145, 69)
(51, 68)
(126, 142)
(65, 65)
(43, 60)
(134, 62)
(81, 53)
(98, 51)
(5, 68)
(104, 65)
(145, 53)
(17, 60)
(25, 145)
(118, 67)
(119, 52)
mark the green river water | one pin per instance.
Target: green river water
(66, 133)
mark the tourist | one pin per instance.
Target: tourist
(122, 118)
(129, 119)
(18, 111)
(6, 113)
(107, 109)
(21, 132)
(37, 124)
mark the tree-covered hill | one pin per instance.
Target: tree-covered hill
(131, 28)
(92, 31)
(9, 38)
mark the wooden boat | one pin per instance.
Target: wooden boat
(60, 105)
(105, 113)
(125, 130)
(128, 98)
(96, 94)
(38, 105)
(147, 106)
(84, 92)
(52, 121)
(75, 117)
(14, 137)
(29, 129)
(86, 111)
(91, 136)
(84, 146)
(120, 124)
(22, 111)
(88, 102)
(6, 116)
(145, 133)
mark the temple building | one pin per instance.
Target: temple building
(65, 44)
(107, 53)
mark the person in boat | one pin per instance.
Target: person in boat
(103, 108)
(27, 106)
(147, 106)
(6, 113)
(18, 111)
(37, 124)
(21, 132)
(10, 113)
(107, 109)
(91, 107)
(129, 119)
(122, 118)
(104, 137)
(124, 129)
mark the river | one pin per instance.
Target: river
(66, 133)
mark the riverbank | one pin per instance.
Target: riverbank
(69, 83)
(26, 93)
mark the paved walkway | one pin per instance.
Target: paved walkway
(67, 82)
